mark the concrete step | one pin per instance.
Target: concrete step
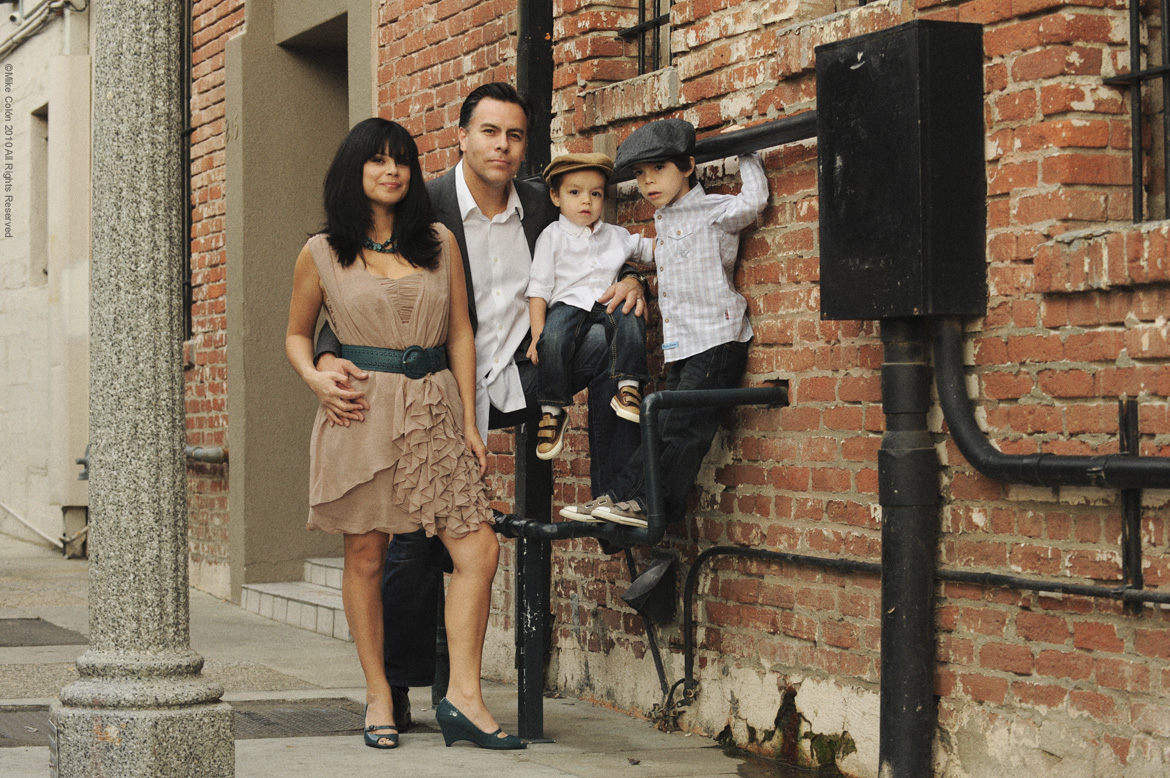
(325, 571)
(302, 604)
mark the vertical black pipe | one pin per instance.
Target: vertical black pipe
(534, 69)
(1135, 109)
(188, 34)
(534, 77)
(534, 500)
(908, 474)
(1131, 500)
(1165, 11)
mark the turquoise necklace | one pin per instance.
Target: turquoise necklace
(389, 247)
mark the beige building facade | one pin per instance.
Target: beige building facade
(44, 270)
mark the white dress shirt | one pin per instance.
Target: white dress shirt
(697, 245)
(575, 265)
(500, 262)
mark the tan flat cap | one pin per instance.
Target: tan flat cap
(567, 163)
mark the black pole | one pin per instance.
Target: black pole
(534, 77)
(908, 475)
(533, 499)
(533, 477)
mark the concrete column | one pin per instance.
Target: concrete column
(140, 708)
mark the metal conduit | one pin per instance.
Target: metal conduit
(1117, 471)
(835, 564)
(802, 126)
(622, 536)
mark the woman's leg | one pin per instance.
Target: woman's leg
(361, 593)
(475, 556)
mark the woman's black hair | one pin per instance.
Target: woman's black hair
(347, 209)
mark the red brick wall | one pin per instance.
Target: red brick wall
(431, 53)
(215, 21)
(1076, 319)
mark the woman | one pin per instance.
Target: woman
(393, 288)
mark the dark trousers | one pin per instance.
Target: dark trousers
(412, 578)
(565, 327)
(686, 432)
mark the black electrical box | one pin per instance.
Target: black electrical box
(902, 184)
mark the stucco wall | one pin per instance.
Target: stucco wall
(44, 293)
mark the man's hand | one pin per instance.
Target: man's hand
(342, 403)
(531, 353)
(629, 294)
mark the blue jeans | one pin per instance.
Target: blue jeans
(565, 326)
(412, 578)
(686, 433)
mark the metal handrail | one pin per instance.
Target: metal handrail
(622, 536)
(777, 132)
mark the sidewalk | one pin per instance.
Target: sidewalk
(283, 681)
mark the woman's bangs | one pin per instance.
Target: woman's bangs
(394, 142)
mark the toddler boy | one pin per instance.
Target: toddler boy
(575, 260)
(705, 328)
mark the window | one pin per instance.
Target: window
(1151, 200)
(652, 33)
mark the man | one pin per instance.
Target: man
(495, 219)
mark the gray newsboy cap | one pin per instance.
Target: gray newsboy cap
(656, 141)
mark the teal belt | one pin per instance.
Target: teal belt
(412, 361)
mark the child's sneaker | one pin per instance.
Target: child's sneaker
(584, 512)
(628, 512)
(627, 403)
(550, 435)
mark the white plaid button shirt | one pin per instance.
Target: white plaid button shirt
(697, 242)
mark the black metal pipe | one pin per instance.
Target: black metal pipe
(1165, 14)
(835, 564)
(761, 136)
(1123, 593)
(776, 396)
(534, 77)
(908, 478)
(623, 536)
(688, 620)
(1131, 499)
(646, 26)
(1135, 110)
(1118, 471)
(533, 565)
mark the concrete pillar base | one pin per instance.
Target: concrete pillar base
(133, 716)
(189, 742)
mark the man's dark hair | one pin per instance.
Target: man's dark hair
(347, 208)
(497, 90)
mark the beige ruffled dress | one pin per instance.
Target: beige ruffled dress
(406, 466)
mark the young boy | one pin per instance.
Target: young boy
(705, 329)
(575, 260)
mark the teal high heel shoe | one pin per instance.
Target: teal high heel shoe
(455, 727)
(372, 738)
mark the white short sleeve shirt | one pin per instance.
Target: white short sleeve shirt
(575, 265)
